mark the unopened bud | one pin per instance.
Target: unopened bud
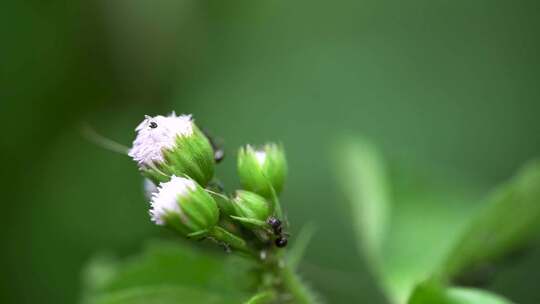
(263, 170)
(251, 209)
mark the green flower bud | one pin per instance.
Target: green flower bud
(262, 170)
(251, 209)
(183, 205)
(173, 145)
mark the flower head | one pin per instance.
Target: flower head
(154, 134)
(183, 205)
(166, 200)
(172, 145)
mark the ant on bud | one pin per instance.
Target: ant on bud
(275, 224)
(277, 228)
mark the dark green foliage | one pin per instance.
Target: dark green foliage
(509, 221)
(166, 272)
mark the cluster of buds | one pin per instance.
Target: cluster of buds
(178, 161)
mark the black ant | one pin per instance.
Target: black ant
(281, 241)
(152, 124)
(277, 228)
(275, 224)
(219, 153)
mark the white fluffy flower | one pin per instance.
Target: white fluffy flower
(157, 133)
(166, 199)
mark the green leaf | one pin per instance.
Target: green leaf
(435, 231)
(250, 221)
(161, 295)
(364, 180)
(474, 296)
(509, 220)
(430, 293)
(165, 266)
(406, 238)
(424, 227)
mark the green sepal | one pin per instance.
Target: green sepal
(252, 208)
(199, 213)
(230, 239)
(249, 221)
(198, 234)
(264, 178)
(224, 203)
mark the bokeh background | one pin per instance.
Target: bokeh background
(445, 87)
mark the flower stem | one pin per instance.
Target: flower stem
(282, 279)
(262, 297)
(295, 286)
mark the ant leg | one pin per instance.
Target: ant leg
(219, 153)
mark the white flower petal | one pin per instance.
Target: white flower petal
(166, 199)
(157, 133)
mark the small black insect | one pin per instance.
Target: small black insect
(153, 125)
(275, 224)
(281, 241)
(219, 153)
(277, 229)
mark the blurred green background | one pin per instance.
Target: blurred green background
(448, 89)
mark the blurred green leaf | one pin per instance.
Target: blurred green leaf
(161, 295)
(398, 247)
(429, 293)
(365, 181)
(509, 220)
(299, 246)
(474, 296)
(170, 270)
(403, 252)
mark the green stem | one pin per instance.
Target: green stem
(295, 286)
(263, 297)
(283, 280)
